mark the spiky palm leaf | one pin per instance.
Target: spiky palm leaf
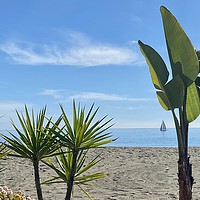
(3, 150)
(35, 140)
(83, 134)
(63, 168)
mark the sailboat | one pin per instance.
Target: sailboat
(163, 126)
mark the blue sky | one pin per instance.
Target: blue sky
(53, 51)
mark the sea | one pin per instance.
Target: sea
(151, 137)
(147, 137)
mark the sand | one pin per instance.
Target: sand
(133, 173)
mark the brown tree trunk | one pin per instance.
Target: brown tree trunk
(37, 180)
(71, 177)
(185, 179)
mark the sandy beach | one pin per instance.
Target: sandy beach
(133, 173)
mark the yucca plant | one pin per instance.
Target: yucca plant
(3, 151)
(83, 134)
(34, 141)
(63, 168)
(180, 94)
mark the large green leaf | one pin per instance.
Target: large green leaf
(192, 103)
(157, 67)
(182, 54)
(175, 92)
(163, 100)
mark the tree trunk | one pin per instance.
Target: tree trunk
(37, 180)
(71, 177)
(185, 179)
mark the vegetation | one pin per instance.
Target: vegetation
(180, 94)
(63, 168)
(79, 137)
(7, 194)
(3, 150)
(40, 138)
(35, 142)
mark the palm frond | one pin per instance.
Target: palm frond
(4, 151)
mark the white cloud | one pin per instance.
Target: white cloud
(107, 97)
(81, 51)
(135, 18)
(60, 94)
(57, 94)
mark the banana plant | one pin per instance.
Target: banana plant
(34, 141)
(180, 94)
(79, 136)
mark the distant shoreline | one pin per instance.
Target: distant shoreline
(152, 137)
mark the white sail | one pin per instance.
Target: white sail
(163, 126)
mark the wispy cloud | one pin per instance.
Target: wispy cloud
(80, 51)
(136, 18)
(130, 107)
(106, 97)
(62, 95)
(56, 94)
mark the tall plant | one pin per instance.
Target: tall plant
(35, 141)
(83, 134)
(179, 94)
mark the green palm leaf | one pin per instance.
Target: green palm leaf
(35, 140)
(79, 136)
(63, 168)
(4, 151)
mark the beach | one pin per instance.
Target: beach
(133, 173)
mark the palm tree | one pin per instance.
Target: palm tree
(79, 137)
(63, 168)
(35, 141)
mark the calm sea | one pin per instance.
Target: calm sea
(149, 137)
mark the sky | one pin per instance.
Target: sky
(54, 51)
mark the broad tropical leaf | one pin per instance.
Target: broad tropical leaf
(157, 67)
(163, 100)
(192, 103)
(175, 91)
(181, 93)
(181, 52)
